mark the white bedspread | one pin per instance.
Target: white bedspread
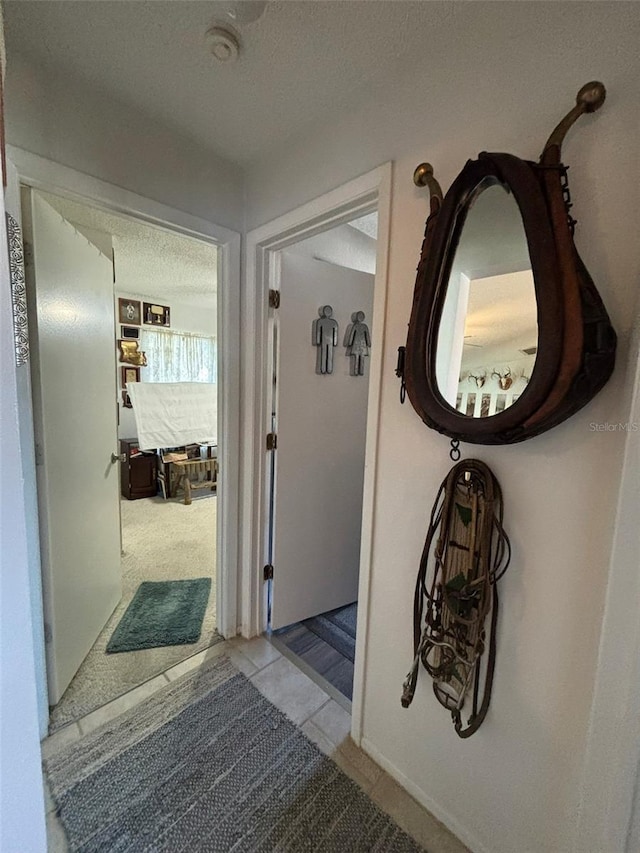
(171, 414)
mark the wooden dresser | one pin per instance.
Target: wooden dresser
(138, 471)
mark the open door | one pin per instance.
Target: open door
(75, 418)
(321, 431)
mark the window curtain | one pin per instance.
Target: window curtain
(178, 356)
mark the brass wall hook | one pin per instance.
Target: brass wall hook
(423, 177)
(589, 99)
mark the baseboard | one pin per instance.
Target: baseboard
(425, 801)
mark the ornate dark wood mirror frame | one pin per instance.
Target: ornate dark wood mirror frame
(576, 341)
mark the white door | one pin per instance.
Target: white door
(319, 461)
(74, 386)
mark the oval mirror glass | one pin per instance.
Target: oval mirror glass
(488, 332)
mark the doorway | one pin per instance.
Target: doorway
(269, 249)
(150, 539)
(320, 395)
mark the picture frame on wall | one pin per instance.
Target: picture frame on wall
(129, 311)
(129, 374)
(129, 332)
(156, 315)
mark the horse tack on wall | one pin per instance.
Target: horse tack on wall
(576, 343)
(499, 281)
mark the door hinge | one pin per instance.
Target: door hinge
(272, 441)
(268, 572)
(48, 633)
(27, 253)
(274, 299)
(39, 454)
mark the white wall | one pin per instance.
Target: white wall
(514, 785)
(612, 761)
(21, 795)
(64, 120)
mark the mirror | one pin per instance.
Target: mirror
(508, 335)
(488, 332)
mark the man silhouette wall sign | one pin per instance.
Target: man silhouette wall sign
(325, 338)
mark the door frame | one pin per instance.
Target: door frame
(48, 176)
(609, 794)
(362, 195)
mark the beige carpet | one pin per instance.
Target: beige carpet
(161, 540)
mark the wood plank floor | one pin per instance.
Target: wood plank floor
(319, 655)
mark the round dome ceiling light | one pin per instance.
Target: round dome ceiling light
(242, 11)
(223, 43)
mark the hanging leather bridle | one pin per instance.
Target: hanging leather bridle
(471, 554)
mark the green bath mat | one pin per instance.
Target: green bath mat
(162, 613)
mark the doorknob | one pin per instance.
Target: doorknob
(118, 457)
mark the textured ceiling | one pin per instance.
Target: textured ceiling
(502, 314)
(502, 318)
(150, 261)
(345, 246)
(367, 224)
(301, 62)
(493, 240)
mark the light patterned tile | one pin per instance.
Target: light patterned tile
(366, 767)
(334, 721)
(258, 650)
(290, 690)
(185, 666)
(337, 755)
(319, 738)
(119, 706)
(244, 664)
(413, 818)
(49, 805)
(231, 651)
(56, 838)
(335, 724)
(352, 770)
(60, 739)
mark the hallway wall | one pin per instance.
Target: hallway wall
(22, 825)
(516, 784)
(65, 120)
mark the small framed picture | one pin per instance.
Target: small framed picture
(129, 374)
(129, 332)
(129, 311)
(156, 315)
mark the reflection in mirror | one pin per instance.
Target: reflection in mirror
(488, 332)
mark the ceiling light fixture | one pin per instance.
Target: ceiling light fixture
(242, 11)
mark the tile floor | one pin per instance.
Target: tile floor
(326, 643)
(323, 720)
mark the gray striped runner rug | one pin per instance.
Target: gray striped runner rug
(209, 764)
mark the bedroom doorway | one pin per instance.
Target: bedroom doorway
(320, 396)
(369, 193)
(155, 292)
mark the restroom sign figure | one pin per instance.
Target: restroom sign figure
(358, 343)
(325, 338)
